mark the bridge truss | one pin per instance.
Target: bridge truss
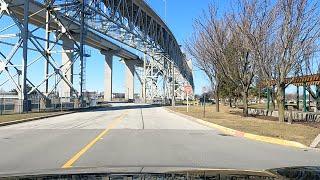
(54, 28)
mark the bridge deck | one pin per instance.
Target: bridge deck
(92, 39)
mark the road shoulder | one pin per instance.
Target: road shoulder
(49, 115)
(35, 118)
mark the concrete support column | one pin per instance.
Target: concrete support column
(44, 103)
(129, 79)
(23, 99)
(107, 76)
(67, 69)
(144, 81)
(173, 99)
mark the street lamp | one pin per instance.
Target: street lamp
(165, 10)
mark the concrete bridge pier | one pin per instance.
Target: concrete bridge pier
(107, 75)
(129, 75)
(44, 103)
(67, 68)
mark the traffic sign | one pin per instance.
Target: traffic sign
(188, 89)
(204, 89)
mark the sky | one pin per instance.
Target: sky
(180, 15)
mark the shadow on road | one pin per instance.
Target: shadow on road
(114, 108)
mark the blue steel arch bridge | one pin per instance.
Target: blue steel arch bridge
(56, 32)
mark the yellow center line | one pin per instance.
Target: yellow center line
(113, 124)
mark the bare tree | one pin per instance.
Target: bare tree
(227, 46)
(229, 38)
(272, 40)
(296, 30)
(198, 48)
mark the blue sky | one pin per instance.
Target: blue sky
(179, 17)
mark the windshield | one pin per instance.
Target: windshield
(158, 86)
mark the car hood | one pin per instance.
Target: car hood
(305, 172)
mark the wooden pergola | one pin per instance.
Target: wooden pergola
(298, 81)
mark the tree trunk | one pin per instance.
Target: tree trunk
(230, 102)
(273, 104)
(217, 100)
(245, 103)
(280, 101)
(318, 97)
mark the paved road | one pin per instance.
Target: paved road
(135, 136)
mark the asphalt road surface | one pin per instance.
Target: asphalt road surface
(131, 135)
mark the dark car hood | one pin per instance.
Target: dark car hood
(92, 172)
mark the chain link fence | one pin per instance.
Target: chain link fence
(10, 104)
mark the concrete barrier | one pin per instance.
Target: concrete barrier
(316, 142)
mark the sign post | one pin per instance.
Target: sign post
(188, 90)
(187, 102)
(204, 91)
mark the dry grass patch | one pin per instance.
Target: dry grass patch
(294, 132)
(13, 117)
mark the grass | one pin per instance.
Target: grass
(13, 117)
(294, 132)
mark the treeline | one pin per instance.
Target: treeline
(257, 41)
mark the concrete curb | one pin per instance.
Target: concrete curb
(243, 134)
(316, 142)
(34, 118)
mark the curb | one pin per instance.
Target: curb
(243, 134)
(316, 142)
(34, 118)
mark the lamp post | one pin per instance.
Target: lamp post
(165, 10)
